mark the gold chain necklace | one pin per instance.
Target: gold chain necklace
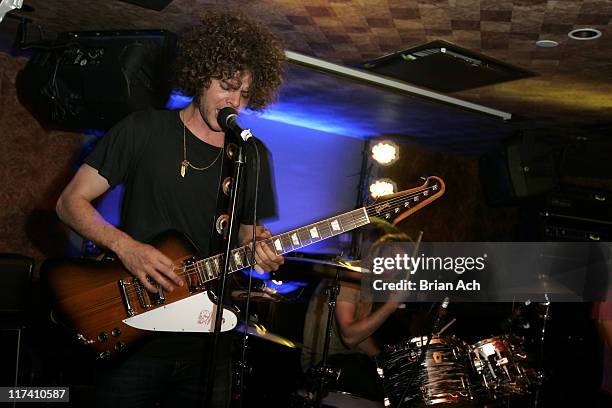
(185, 163)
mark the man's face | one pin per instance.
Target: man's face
(232, 92)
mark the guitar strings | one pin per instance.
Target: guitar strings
(192, 269)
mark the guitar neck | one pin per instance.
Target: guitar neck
(240, 258)
(397, 206)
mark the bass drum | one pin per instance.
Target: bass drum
(443, 378)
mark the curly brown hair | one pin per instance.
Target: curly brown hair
(222, 46)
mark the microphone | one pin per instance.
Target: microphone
(227, 119)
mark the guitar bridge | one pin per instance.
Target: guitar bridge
(125, 297)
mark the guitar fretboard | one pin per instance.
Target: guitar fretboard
(210, 268)
(240, 258)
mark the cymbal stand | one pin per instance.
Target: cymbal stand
(322, 373)
(545, 319)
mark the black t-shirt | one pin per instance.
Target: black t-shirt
(144, 153)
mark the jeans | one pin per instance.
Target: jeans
(145, 381)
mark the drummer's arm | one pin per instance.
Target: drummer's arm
(356, 333)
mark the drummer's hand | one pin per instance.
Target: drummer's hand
(266, 259)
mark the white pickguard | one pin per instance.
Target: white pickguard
(193, 314)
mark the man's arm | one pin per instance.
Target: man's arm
(265, 257)
(75, 209)
(356, 333)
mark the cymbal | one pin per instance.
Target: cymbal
(259, 330)
(347, 264)
(257, 296)
(348, 270)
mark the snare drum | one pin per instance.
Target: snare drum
(494, 361)
(442, 378)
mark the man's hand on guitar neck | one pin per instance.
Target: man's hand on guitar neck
(143, 261)
(266, 259)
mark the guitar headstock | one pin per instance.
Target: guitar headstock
(396, 207)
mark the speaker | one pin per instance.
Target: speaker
(15, 283)
(90, 79)
(521, 167)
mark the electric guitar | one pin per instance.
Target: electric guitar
(109, 309)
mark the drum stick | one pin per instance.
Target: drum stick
(446, 326)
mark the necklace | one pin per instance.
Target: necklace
(186, 163)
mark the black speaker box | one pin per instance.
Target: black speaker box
(521, 167)
(15, 282)
(91, 80)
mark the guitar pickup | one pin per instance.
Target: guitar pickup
(157, 298)
(138, 287)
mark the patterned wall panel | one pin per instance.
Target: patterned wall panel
(35, 165)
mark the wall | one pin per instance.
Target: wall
(35, 165)
(461, 214)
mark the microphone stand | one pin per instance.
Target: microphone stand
(222, 280)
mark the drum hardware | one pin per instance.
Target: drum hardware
(435, 356)
(442, 377)
(259, 330)
(499, 373)
(545, 319)
(348, 271)
(446, 326)
(323, 374)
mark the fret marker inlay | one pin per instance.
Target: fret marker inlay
(335, 225)
(278, 245)
(237, 259)
(295, 239)
(314, 233)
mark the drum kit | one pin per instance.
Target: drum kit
(430, 370)
(456, 373)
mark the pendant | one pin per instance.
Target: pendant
(184, 165)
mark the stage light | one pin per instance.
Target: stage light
(382, 187)
(385, 152)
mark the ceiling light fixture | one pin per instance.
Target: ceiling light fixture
(584, 34)
(546, 43)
